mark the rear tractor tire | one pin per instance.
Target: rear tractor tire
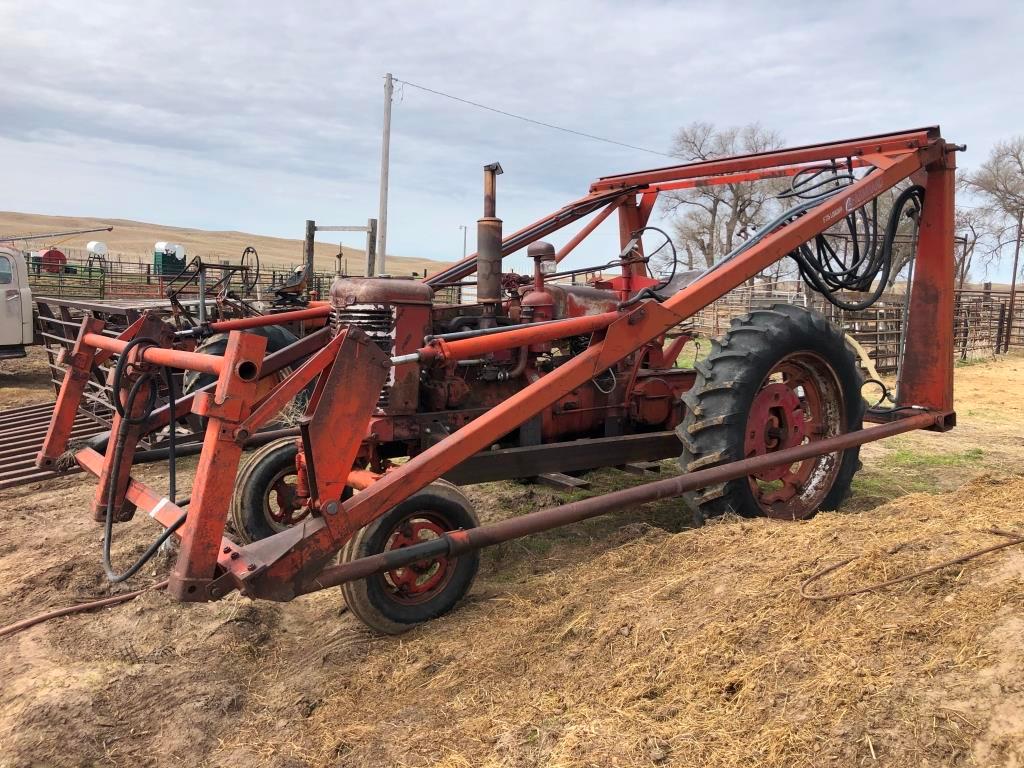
(779, 378)
(396, 601)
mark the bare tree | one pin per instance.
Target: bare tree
(1001, 178)
(970, 229)
(980, 236)
(710, 221)
(999, 182)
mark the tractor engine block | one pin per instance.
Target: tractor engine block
(396, 314)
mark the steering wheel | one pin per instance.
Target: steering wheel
(250, 257)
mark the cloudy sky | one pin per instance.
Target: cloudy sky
(257, 115)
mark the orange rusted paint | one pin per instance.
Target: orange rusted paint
(839, 150)
(349, 371)
(79, 367)
(225, 408)
(321, 310)
(927, 374)
(175, 358)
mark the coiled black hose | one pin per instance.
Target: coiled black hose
(870, 260)
(652, 291)
(148, 381)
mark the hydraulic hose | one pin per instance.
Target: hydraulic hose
(145, 381)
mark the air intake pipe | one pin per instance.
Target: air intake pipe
(488, 250)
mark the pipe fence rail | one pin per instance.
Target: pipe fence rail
(981, 326)
(122, 276)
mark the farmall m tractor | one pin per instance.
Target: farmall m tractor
(536, 375)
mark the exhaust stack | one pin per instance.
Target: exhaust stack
(488, 250)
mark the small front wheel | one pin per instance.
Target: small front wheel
(396, 601)
(266, 499)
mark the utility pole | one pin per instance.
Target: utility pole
(1013, 282)
(385, 150)
(464, 229)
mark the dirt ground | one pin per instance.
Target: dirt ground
(26, 380)
(625, 641)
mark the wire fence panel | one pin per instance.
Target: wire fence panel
(121, 276)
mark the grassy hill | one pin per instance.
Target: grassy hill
(135, 239)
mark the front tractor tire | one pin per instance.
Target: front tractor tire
(779, 377)
(265, 500)
(395, 601)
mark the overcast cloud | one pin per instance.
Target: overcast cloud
(257, 115)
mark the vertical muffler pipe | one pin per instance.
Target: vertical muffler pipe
(488, 250)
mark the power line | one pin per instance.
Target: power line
(535, 122)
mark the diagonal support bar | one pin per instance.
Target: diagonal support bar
(281, 395)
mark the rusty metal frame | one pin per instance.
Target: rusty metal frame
(292, 562)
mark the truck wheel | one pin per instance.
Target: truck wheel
(779, 378)
(396, 601)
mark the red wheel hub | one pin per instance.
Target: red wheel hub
(776, 421)
(419, 580)
(288, 510)
(798, 403)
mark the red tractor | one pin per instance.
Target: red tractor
(535, 375)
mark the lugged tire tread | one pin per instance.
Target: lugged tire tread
(715, 405)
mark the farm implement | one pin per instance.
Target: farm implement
(398, 391)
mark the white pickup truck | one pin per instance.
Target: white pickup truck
(15, 304)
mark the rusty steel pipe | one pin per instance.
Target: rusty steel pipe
(488, 250)
(244, 323)
(491, 173)
(488, 267)
(525, 335)
(582, 235)
(472, 334)
(174, 358)
(577, 326)
(258, 321)
(457, 542)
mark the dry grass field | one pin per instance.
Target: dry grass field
(629, 640)
(136, 238)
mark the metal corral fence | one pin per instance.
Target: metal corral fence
(125, 276)
(980, 326)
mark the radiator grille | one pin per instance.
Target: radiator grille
(378, 322)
